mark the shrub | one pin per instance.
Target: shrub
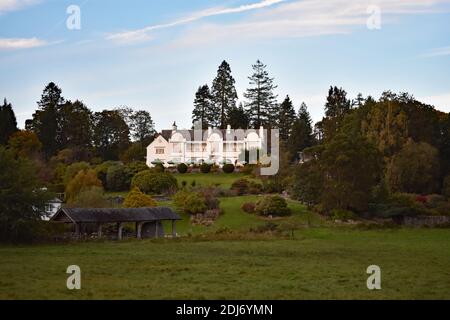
(159, 167)
(137, 199)
(272, 186)
(272, 206)
(83, 180)
(118, 178)
(401, 204)
(92, 197)
(248, 169)
(149, 181)
(228, 168)
(340, 214)
(205, 168)
(73, 169)
(248, 207)
(255, 188)
(241, 186)
(182, 168)
(190, 202)
(193, 183)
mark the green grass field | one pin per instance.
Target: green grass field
(319, 263)
(219, 179)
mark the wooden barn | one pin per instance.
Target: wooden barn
(148, 221)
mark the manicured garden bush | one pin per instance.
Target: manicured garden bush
(272, 206)
(182, 168)
(205, 168)
(190, 202)
(137, 199)
(159, 167)
(240, 186)
(151, 182)
(228, 168)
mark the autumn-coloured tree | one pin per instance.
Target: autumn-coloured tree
(137, 199)
(84, 179)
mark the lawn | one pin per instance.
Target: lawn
(220, 179)
(235, 219)
(319, 263)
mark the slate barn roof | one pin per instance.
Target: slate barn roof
(82, 215)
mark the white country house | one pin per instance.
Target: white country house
(197, 146)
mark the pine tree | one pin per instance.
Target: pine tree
(46, 120)
(286, 118)
(8, 122)
(261, 103)
(203, 107)
(336, 107)
(302, 132)
(224, 95)
(238, 118)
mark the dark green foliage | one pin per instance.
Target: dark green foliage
(47, 119)
(446, 187)
(205, 168)
(111, 134)
(142, 127)
(204, 108)
(224, 95)
(135, 152)
(151, 182)
(159, 167)
(118, 178)
(307, 183)
(182, 168)
(22, 201)
(336, 108)
(76, 127)
(415, 169)
(190, 202)
(8, 122)
(272, 206)
(228, 168)
(286, 118)
(351, 168)
(261, 101)
(238, 118)
(301, 136)
(241, 186)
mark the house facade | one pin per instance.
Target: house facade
(197, 146)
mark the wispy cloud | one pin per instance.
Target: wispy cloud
(13, 5)
(21, 43)
(144, 33)
(437, 52)
(307, 18)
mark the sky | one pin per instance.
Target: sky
(153, 55)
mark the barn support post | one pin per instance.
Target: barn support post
(139, 230)
(77, 231)
(174, 228)
(119, 230)
(156, 229)
(99, 230)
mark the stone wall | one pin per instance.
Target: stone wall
(426, 221)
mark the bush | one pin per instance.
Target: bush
(190, 202)
(92, 197)
(159, 167)
(82, 181)
(151, 182)
(228, 168)
(137, 199)
(118, 178)
(272, 206)
(182, 168)
(241, 186)
(402, 204)
(73, 169)
(344, 215)
(255, 188)
(248, 207)
(205, 168)
(272, 186)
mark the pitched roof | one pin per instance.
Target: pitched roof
(90, 215)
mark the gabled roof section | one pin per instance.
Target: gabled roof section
(90, 215)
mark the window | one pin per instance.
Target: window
(160, 151)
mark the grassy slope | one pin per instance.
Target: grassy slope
(318, 263)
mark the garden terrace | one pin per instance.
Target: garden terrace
(140, 216)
